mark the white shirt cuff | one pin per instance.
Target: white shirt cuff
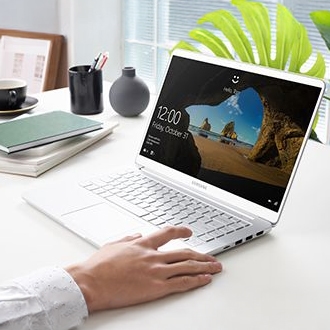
(61, 299)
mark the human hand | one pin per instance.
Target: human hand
(132, 270)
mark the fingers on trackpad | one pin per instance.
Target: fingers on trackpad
(102, 223)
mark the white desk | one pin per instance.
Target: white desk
(281, 281)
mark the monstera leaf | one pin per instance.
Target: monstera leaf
(321, 19)
(293, 47)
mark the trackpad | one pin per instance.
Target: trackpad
(102, 223)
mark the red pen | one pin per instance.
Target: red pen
(102, 61)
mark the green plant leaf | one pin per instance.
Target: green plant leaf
(256, 19)
(186, 46)
(292, 41)
(301, 49)
(316, 120)
(230, 27)
(321, 19)
(286, 31)
(211, 41)
(319, 67)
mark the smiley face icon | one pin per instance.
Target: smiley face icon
(235, 79)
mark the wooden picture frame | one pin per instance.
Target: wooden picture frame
(56, 42)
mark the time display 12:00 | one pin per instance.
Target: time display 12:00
(171, 116)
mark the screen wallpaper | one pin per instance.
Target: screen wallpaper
(236, 130)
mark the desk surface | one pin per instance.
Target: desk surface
(280, 281)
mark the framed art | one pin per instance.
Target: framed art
(32, 56)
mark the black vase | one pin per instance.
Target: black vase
(129, 95)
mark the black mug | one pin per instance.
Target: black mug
(86, 90)
(12, 93)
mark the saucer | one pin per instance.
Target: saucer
(29, 104)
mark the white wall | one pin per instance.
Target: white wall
(38, 15)
(89, 26)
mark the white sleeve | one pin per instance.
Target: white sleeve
(46, 299)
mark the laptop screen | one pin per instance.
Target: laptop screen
(236, 130)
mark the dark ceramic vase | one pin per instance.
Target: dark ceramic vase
(129, 95)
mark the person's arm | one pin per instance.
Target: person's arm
(123, 273)
(46, 299)
(133, 270)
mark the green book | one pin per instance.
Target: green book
(24, 133)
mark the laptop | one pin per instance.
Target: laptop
(218, 155)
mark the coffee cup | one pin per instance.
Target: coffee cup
(12, 93)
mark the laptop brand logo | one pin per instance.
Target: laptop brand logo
(199, 185)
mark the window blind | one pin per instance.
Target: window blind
(152, 27)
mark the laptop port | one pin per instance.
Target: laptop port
(238, 242)
(249, 238)
(260, 233)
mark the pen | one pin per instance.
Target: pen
(95, 61)
(102, 61)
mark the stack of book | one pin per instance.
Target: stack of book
(33, 144)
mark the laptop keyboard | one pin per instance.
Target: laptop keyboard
(163, 206)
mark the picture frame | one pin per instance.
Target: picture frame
(36, 52)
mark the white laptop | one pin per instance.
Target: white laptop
(218, 155)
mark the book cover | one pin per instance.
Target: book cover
(36, 130)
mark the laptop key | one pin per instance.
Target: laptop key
(150, 217)
(193, 241)
(138, 211)
(206, 237)
(158, 221)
